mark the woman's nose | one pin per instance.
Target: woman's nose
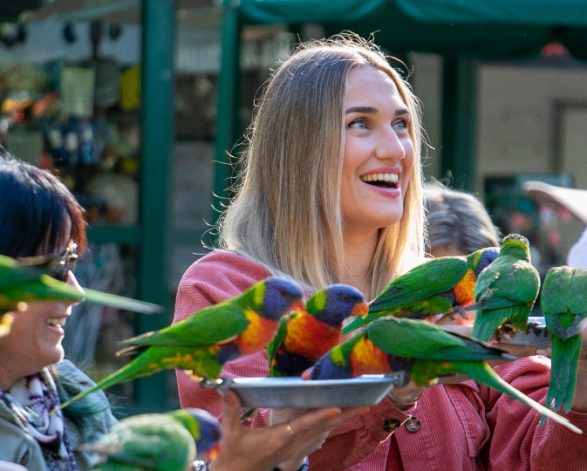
(390, 146)
(72, 281)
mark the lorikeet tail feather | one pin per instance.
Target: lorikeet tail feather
(487, 323)
(132, 370)
(483, 373)
(563, 373)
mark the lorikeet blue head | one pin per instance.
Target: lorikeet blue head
(481, 259)
(281, 295)
(336, 302)
(204, 427)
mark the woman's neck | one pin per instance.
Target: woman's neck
(7, 377)
(358, 252)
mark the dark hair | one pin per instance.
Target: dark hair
(35, 207)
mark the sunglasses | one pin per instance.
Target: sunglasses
(56, 267)
(60, 267)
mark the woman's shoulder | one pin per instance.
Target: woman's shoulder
(224, 268)
(218, 275)
(72, 381)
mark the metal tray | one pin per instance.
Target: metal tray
(534, 340)
(295, 392)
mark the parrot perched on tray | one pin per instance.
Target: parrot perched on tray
(304, 336)
(506, 290)
(165, 442)
(22, 282)
(426, 352)
(442, 285)
(203, 342)
(564, 305)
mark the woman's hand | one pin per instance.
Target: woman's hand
(295, 434)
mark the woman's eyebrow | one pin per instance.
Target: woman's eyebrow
(371, 109)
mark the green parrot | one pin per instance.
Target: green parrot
(203, 342)
(436, 353)
(22, 282)
(164, 442)
(506, 290)
(443, 285)
(564, 305)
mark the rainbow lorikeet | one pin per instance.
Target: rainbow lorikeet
(506, 290)
(26, 280)
(166, 441)
(442, 285)
(305, 335)
(427, 352)
(206, 340)
(564, 305)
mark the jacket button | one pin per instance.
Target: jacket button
(412, 425)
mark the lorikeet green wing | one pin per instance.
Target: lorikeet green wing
(436, 352)
(564, 305)
(221, 322)
(506, 290)
(421, 290)
(13, 273)
(23, 284)
(443, 285)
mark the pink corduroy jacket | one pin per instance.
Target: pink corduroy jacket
(458, 427)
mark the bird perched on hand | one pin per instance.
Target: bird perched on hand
(506, 290)
(165, 442)
(203, 342)
(442, 285)
(427, 352)
(305, 335)
(30, 280)
(564, 305)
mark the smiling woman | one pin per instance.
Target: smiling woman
(40, 217)
(331, 193)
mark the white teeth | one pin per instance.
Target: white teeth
(381, 177)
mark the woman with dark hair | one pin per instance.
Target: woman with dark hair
(40, 217)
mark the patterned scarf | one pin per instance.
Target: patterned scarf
(32, 401)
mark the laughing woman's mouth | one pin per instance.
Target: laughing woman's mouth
(385, 180)
(57, 321)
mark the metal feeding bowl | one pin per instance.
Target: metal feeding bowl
(295, 392)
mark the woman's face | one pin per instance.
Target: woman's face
(34, 341)
(378, 154)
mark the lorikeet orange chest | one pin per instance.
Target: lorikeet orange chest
(464, 290)
(366, 358)
(258, 334)
(310, 337)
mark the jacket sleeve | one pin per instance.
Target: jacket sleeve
(87, 420)
(518, 440)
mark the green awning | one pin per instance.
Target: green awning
(457, 28)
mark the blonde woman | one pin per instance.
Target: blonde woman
(331, 192)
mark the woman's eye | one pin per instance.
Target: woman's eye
(358, 124)
(400, 125)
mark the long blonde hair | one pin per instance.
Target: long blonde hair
(287, 212)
